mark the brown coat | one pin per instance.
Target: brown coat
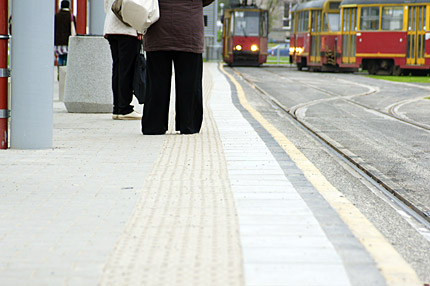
(180, 27)
(63, 20)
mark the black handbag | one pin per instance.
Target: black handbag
(140, 79)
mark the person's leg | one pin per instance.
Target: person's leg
(156, 108)
(65, 59)
(189, 97)
(62, 60)
(127, 52)
(113, 43)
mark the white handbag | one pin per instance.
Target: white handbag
(140, 14)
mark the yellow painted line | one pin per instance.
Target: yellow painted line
(396, 271)
(381, 55)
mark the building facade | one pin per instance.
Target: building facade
(280, 18)
(212, 48)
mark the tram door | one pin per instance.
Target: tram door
(316, 26)
(349, 37)
(416, 35)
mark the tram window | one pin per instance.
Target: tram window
(422, 18)
(293, 22)
(334, 21)
(302, 21)
(346, 14)
(246, 23)
(306, 21)
(369, 18)
(354, 19)
(325, 24)
(392, 18)
(299, 22)
(263, 28)
(316, 21)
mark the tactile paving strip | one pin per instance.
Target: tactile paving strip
(184, 230)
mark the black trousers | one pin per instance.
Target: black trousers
(124, 51)
(188, 85)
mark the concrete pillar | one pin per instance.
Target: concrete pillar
(97, 17)
(32, 68)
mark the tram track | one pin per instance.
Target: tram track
(392, 110)
(385, 185)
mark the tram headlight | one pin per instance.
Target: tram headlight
(299, 51)
(254, 48)
(238, 47)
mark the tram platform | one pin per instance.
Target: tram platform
(237, 204)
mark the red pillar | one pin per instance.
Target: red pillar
(81, 27)
(4, 74)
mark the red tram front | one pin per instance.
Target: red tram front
(386, 36)
(245, 35)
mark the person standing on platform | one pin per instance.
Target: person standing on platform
(178, 37)
(123, 41)
(65, 25)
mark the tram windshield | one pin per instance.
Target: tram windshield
(246, 23)
(333, 21)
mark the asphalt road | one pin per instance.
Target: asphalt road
(349, 110)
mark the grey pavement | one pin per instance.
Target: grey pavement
(109, 206)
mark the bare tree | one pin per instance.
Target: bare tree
(273, 7)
